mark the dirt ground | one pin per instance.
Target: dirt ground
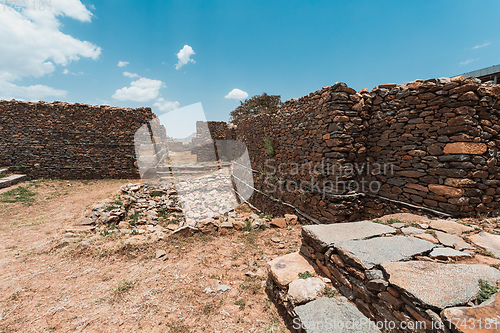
(50, 282)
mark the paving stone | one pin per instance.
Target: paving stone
(486, 314)
(404, 218)
(453, 241)
(327, 315)
(427, 237)
(305, 290)
(449, 226)
(285, 269)
(412, 231)
(445, 253)
(489, 241)
(438, 285)
(379, 250)
(326, 235)
(279, 223)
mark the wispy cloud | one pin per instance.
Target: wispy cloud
(128, 74)
(122, 63)
(142, 90)
(468, 61)
(481, 45)
(184, 56)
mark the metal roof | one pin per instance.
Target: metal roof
(483, 72)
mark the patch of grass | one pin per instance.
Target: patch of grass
(330, 292)
(248, 225)
(431, 232)
(391, 221)
(177, 327)
(251, 285)
(123, 288)
(486, 291)
(110, 208)
(305, 275)
(274, 326)
(268, 145)
(240, 303)
(133, 218)
(155, 193)
(414, 225)
(21, 194)
(118, 203)
(378, 221)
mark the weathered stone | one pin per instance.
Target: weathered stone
(458, 182)
(161, 254)
(328, 235)
(447, 191)
(449, 226)
(427, 237)
(375, 251)
(445, 253)
(403, 217)
(85, 221)
(283, 270)
(377, 285)
(291, 219)
(412, 231)
(488, 241)
(470, 148)
(453, 241)
(331, 315)
(279, 223)
(439, 286)
(305, 290)
(479, 319)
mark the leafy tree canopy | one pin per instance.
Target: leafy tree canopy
(255, 105)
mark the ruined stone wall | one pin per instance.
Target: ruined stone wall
(433, 144)
(69, 141)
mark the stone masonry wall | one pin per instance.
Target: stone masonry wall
(69, 141)
(433, 144)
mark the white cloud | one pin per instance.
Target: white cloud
(184, 56)
(165, 106)
(65, 71)
(33, 45)
(122, 63)
(481, 45)
(236, 94)
(142, 90)
(37, 92)
(468, 61)
(132, 75)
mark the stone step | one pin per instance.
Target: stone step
(11, 180)
(3, 171)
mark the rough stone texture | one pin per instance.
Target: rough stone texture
(427, 237)
(438, 285)
(379, 250)
(465, 148)
(449, 226)
(412, 231)
(489, 241)
(484, 316)
(445, 253)
(447, 191)
(453, 241)
(305, 290)
(322, 314)
(328, 235)
(285, 269)
(70, 141)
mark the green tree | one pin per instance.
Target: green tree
(255, 105)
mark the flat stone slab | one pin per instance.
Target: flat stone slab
(453, 241)
(440, 286)
(412, 231)
(379, 250)
(489, 241)
(485, 317)
(327, 315)
(404, 218)
(327, 235)
(445, 253)
(285, 269)
(305, 290)
(11, 180)
(449, 226)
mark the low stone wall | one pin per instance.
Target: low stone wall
(69, 141)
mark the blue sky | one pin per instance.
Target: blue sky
(290, 48)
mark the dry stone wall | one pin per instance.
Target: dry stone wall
(69, 141)
(433, 144)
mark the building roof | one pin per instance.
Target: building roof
(486, 74)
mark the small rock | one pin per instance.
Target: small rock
(412, 231)
(226, 224)
(85, 221)
(275, 240)
(291, 219)
(278, 223)
(222, 287)
(123, 225)
(304, 290)
(161, 254)
(445, 253)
